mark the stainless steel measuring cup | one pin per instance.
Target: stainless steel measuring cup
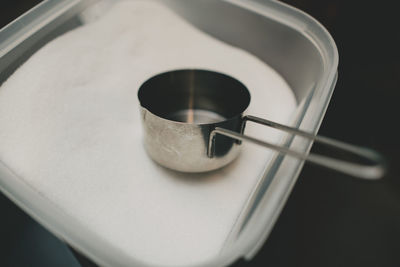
(193, 122)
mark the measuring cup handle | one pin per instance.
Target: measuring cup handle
(374, 171)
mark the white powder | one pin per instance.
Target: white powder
(70, 128)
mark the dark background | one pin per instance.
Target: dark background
(330, 219)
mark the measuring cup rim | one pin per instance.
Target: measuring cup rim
(237, 115)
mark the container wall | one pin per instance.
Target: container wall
(285, 49)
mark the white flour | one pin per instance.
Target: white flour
(70, 128)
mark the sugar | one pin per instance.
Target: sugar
(70, 128)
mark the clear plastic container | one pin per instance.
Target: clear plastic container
(288, 40)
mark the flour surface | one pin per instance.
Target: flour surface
(70, 128)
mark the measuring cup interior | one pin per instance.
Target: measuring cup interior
(194, 96)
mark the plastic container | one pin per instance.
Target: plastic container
(290, 41)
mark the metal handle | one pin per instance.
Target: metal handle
(374, 171)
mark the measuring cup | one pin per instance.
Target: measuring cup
(193, 122)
